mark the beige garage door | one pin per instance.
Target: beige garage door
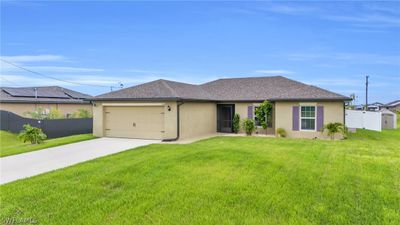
(145, 122)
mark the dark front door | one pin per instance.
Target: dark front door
(224, 117)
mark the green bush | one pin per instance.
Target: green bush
(262, 112)
(82, 113)
(54, 114)
(236, 123)
(334, 128)
(38, 114)
(32, 134)
(281, 132)
(249, 126)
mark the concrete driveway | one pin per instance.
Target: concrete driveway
(33, 163)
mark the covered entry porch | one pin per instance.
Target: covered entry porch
(226, 112)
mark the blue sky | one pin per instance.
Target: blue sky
(332, 45)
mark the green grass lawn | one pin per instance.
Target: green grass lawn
(223, 180)
(11, 145)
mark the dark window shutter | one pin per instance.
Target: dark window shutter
(250, 112)
(295, 117)
(320, 118)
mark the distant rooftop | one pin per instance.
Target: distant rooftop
(394, 103)
(44, 94)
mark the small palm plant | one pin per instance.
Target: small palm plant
(32, 134)
(335, 128)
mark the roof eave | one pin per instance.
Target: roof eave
(219, 100)
(152, 99)
(44, 101)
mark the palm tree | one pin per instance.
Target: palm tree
(334, 128)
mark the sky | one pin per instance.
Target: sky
(95, 45)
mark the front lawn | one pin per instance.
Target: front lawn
(11, 145)
(224, 180)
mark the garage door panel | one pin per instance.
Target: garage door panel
(135, 122)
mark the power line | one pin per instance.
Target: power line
(9, 81)
(54, 78)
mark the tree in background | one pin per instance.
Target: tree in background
(41, 114)
(38, 114)
(54, 114)
(82, 113)
(351, 104)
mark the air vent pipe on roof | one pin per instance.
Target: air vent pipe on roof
(35, 92)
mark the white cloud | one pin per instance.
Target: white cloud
(346, 82)
(367, 20)
(63, 69)
(368, 14)
(336, 82)
(24, 80)
(141, 71)
(274, 72)
(348, 57)
(34, 58)
(21, 60)
(288, 9)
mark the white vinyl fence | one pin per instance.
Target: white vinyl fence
(364, 120)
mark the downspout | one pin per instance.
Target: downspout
(344, 114)
(177, 124)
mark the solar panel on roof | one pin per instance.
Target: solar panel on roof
(43, 93)
(30, 92)
(74, 95)
(20, 92)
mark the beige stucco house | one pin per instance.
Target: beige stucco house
(169, 110)
(21, 100)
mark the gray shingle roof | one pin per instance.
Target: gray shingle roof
(232, 89)
(159, 89)
(262, 88)
(47, 94)
(394, 103)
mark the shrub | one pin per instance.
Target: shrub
(249, 126)
(236, 123)
(32, 134)
(82, 113)
(38, 114)
(54, 114)
(334, 128)
(281, 132)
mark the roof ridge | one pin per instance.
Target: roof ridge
(169, 88)
(237, 78)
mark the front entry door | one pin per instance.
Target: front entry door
(225, 114)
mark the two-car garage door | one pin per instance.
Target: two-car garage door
(145, 122)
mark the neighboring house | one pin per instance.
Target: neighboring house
(376, 106)
(170, 110)
(27, 99)
(393, 106)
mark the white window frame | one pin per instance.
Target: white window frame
(315, 118)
